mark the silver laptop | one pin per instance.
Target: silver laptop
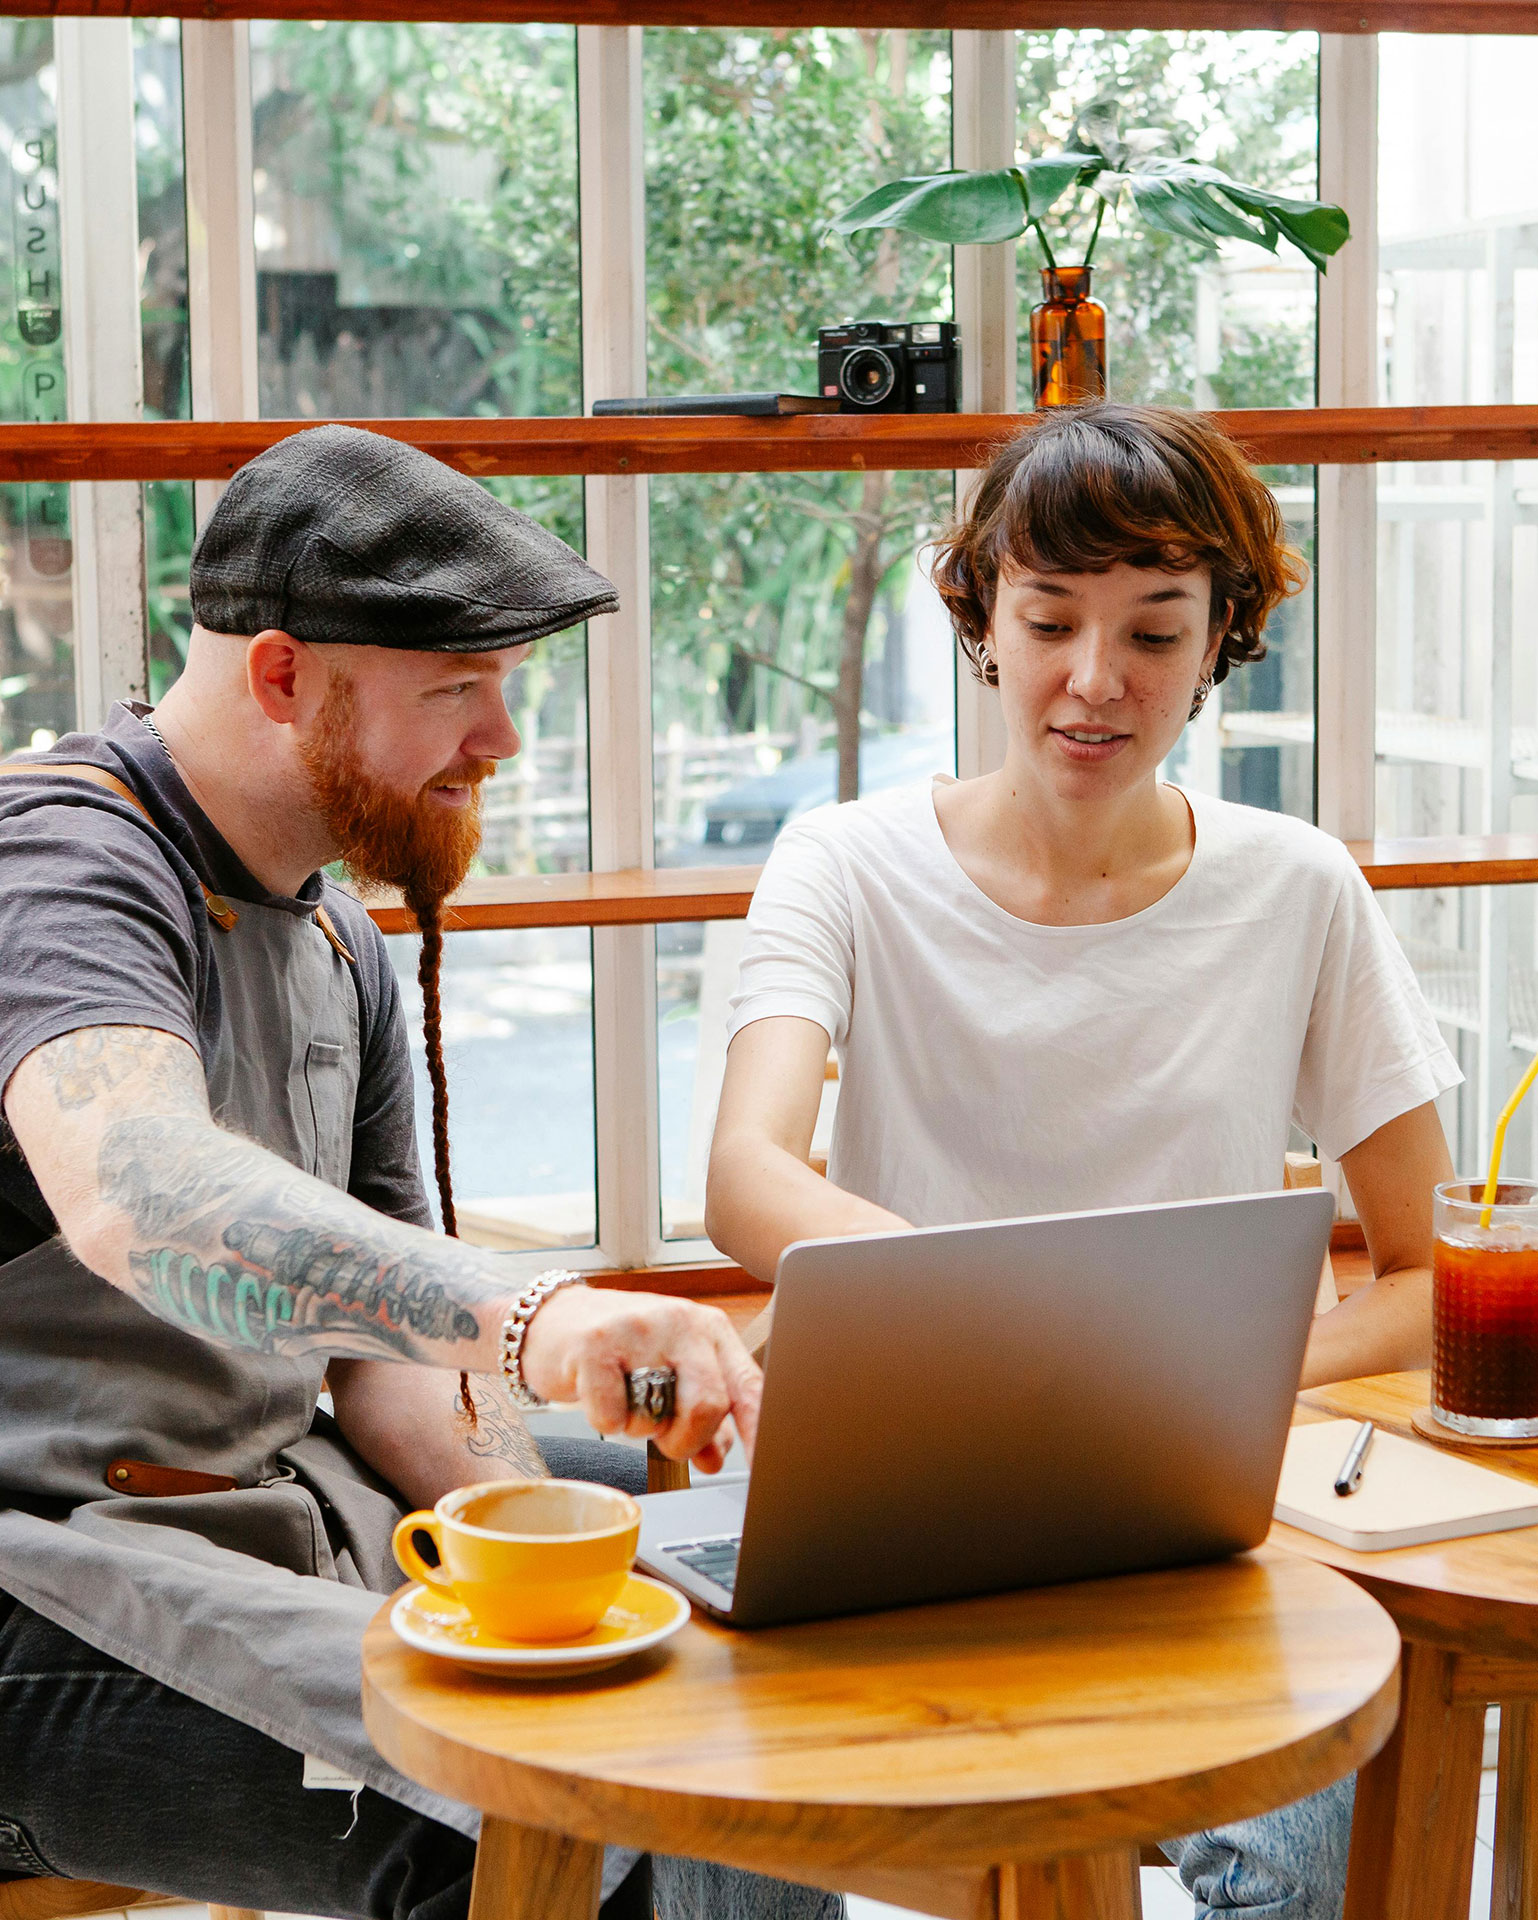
(962, 1410)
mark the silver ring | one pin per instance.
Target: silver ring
(652, 1391)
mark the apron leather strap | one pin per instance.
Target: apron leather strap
(327, 926)
(220, 911)
(144, 1477)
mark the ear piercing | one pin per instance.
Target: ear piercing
(1199, 697)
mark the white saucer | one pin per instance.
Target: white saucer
(645, 1614)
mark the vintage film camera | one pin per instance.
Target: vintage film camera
(876, 366)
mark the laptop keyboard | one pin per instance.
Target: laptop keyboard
(715, 1559)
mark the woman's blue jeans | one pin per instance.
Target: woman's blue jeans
(1287, 1865)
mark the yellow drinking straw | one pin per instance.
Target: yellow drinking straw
(1487, 1203)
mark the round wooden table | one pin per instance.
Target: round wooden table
(1468, 1611)
(993, 1759)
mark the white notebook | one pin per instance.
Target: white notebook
(1410, 1493)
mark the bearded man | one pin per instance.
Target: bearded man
(210, 1203)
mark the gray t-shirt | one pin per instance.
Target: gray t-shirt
(102, 923)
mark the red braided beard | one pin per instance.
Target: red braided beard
(387, 838)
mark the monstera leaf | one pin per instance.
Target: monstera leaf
(1124, 168)
(969, 209)
(1201, 204)
(956, 208)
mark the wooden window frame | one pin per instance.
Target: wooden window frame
(1345, 17)
(652, 896)
(814, 443)
(106, 448)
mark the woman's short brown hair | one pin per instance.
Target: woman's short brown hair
(1086, 486)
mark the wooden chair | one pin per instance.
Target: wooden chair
(58, 1899)
(1303, 1170)
(662, 1476)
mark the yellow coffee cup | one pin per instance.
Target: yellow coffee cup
(537, 1560)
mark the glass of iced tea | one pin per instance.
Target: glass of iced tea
(1484, 1372)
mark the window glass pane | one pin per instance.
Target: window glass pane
(416, 218)
(752, 629)
(415, 189)
(754, 140)
(799, 654)
(1254, 740)
(168, 540)
(415, 193)
(1446, 933)
(37, 657)
(1457, 658)
(1185, 326)
(162, 218)
(517, 1050)
(168, 515)
(1188, 327)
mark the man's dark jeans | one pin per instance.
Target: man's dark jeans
(107, 1775)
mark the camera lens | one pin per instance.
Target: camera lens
(867, 376)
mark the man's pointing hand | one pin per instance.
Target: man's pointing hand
(584, 1340)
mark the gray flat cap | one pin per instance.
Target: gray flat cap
(339, 535)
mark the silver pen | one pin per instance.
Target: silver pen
(1350, 1476)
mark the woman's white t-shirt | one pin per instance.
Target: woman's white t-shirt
(991, 1067)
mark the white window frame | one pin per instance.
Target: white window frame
(984, 131)
(103, 351)
(610, 177)
(1346, 547)
(105, 381)
(221, 234)
(1346, 498)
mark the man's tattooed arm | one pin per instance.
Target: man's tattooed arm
(402, 1421)
(223, 1239)
(218, 1236)
(82, 1066)
(499, 1437)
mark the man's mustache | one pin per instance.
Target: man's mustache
(469, 773)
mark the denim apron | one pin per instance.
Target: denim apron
(251, 1600)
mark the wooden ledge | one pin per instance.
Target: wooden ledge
(808, 443)
(705, 1280)
(634, 896)
(1465, 860)
(656, 896)
(1233, 16)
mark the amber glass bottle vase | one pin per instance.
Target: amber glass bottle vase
(1067, 339)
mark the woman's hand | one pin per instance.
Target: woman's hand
(584, 1340)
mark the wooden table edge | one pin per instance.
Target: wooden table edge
(1505, 1630)
(1506, 1626)
(780, 1836)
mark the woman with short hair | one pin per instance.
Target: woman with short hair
(1070, 984)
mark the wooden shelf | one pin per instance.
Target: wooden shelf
(1471, 860)
(807, 443)
(631, 897)
(1288, 16)
(705, 1280)
(636, 897)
